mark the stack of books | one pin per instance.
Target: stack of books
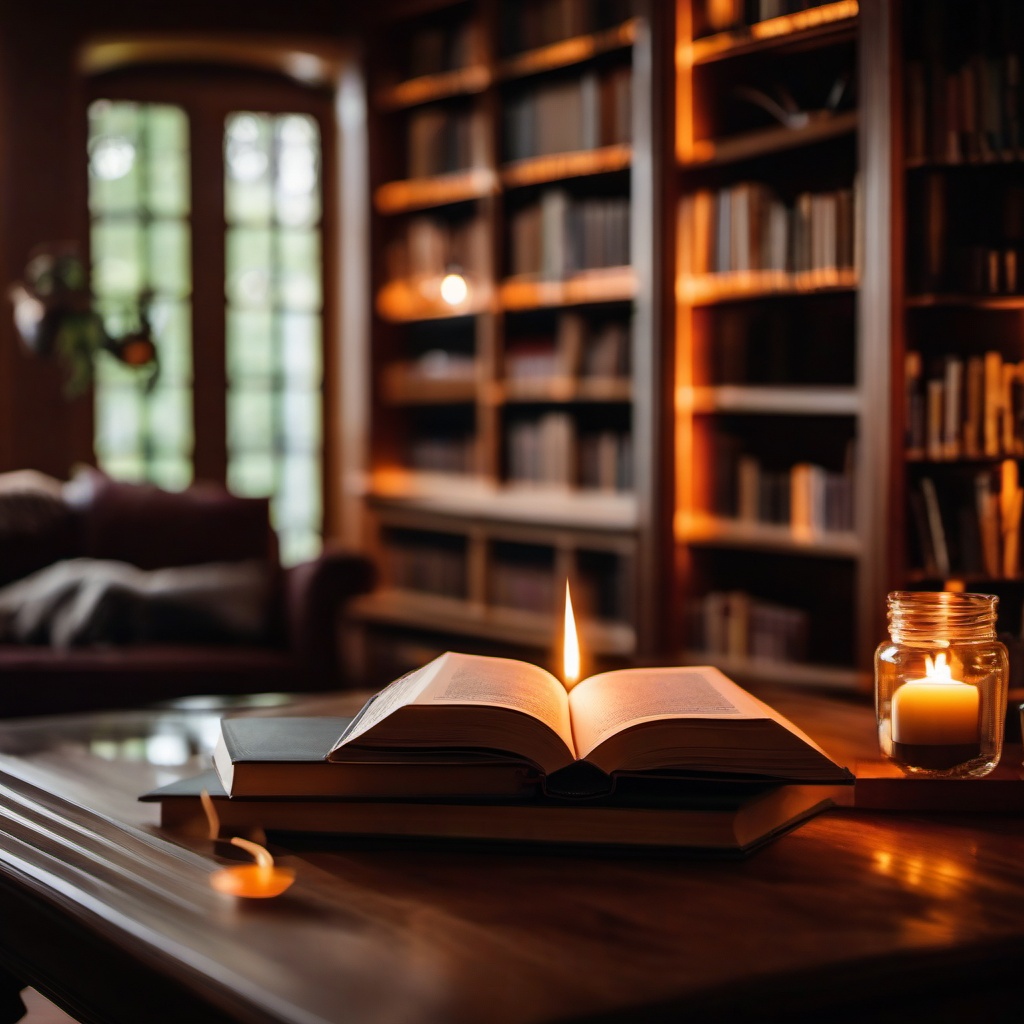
(493, 749)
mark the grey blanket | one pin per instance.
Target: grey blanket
(86, 601)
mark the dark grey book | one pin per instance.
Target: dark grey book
(287, 757)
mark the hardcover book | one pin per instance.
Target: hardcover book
(475, 725)
(724, 819)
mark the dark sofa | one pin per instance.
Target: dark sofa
(95, 523)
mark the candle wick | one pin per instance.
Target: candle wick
(262, 855)
(212, 818)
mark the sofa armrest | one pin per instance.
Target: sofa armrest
(314, 594)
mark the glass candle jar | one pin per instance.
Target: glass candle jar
(940, 684)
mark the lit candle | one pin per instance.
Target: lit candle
(253, 881)
(570, 645)
(935, 710)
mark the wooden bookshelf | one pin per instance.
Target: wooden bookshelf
(560, 166)
(713, 289)
(569, 52)
(773, 490)
(555, 457)
(431, 88)
(615, 284)
(443, 190)
(816, 25)
(774, 139)
(508, 448)
(766, 400)
(958, 494)
(696, 529)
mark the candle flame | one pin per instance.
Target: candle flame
(571, 645)
(937, 671)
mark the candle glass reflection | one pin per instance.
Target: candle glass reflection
(941, 684)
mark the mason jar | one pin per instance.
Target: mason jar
(941, 683)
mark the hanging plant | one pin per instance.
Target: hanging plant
(54, 317)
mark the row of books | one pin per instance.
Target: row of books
(429, 246)
(523, 583)
(442, 453)
(963, 94)
(739, 625)
(606, 460)
(805, 496)
(444, 139)
(527, 26)
(579, 347)
(964, 408)
(562, 234)
(425, 567)
(966, 237)
(573, 114)
(548, 450)
(750, 227)
(969, 526)
(433, 49)
(525, 578)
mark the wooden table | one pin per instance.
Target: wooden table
(855, 915)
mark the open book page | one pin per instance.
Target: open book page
(404, 690)
(688, 718)
(502, 682)
(456, 682)
(607, 703)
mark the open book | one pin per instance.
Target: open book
(643, 722)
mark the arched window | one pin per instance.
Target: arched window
(210, 201)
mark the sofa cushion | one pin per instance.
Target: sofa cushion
(152, 528)
(85, 601)
(36, 525)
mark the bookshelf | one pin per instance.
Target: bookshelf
(963, 375)
(781, 341)
(513, 190)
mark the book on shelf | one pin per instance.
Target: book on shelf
(522, 579)
(963, 89)
(972, 525)
(738, 624)
(805, 496)
(727, 819)
(429, 246)
(561, 234)
(965, 407)
(542, 450)
(748, 227)
(529, 26)
(570, 115)
(435, 49)
(442, 140)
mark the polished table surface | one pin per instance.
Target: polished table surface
(854, 915)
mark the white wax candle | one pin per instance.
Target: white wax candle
(929, 711)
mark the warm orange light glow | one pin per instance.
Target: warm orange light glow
(938, 671)
(570, 645)
(454, 289)
(253, 881)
